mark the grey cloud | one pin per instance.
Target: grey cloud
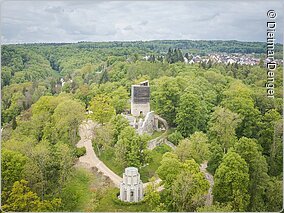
(207, 17)
(128, 28)
(55, 9)
(71, 21)
(143, 23)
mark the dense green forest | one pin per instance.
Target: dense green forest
(217, 112)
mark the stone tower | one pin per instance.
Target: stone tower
(140, 99)
(131, 187)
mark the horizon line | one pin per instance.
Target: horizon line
(126, 41)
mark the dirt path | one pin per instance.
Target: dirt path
(209, 177)
(90, 159)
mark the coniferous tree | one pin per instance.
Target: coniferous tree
(180, 56)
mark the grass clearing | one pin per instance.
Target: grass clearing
(85, 192)
(146, 172)
(156, 155)
(108, 157)
(171, 130)
(76, 194)
(107, 204)
(156, 134)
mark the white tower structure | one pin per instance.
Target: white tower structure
(131, 187)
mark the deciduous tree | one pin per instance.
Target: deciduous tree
(231, 182)
(131, 148)
(169, 169)
(102, 109)
(270, 138)
(238, 99)
(189, 190)
(12, 165)
(22, 199)
(250, 151)
(165, 95)
(119, 123)
(66, 118)
(191, 114)
(196, 147)
(222, 126)
(152, 196)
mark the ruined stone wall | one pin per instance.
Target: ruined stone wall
(149, 125)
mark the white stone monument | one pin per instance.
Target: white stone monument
(131, 187)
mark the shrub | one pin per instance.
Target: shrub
(80, 151)
(175, 137)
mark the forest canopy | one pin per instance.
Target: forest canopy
(217, 112)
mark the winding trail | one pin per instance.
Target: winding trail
(90, 159)
(209, 177)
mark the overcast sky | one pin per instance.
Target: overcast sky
(72, 21)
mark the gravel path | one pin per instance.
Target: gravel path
(209, 177)
(90, 159)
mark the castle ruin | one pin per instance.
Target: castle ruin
(140, 99)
